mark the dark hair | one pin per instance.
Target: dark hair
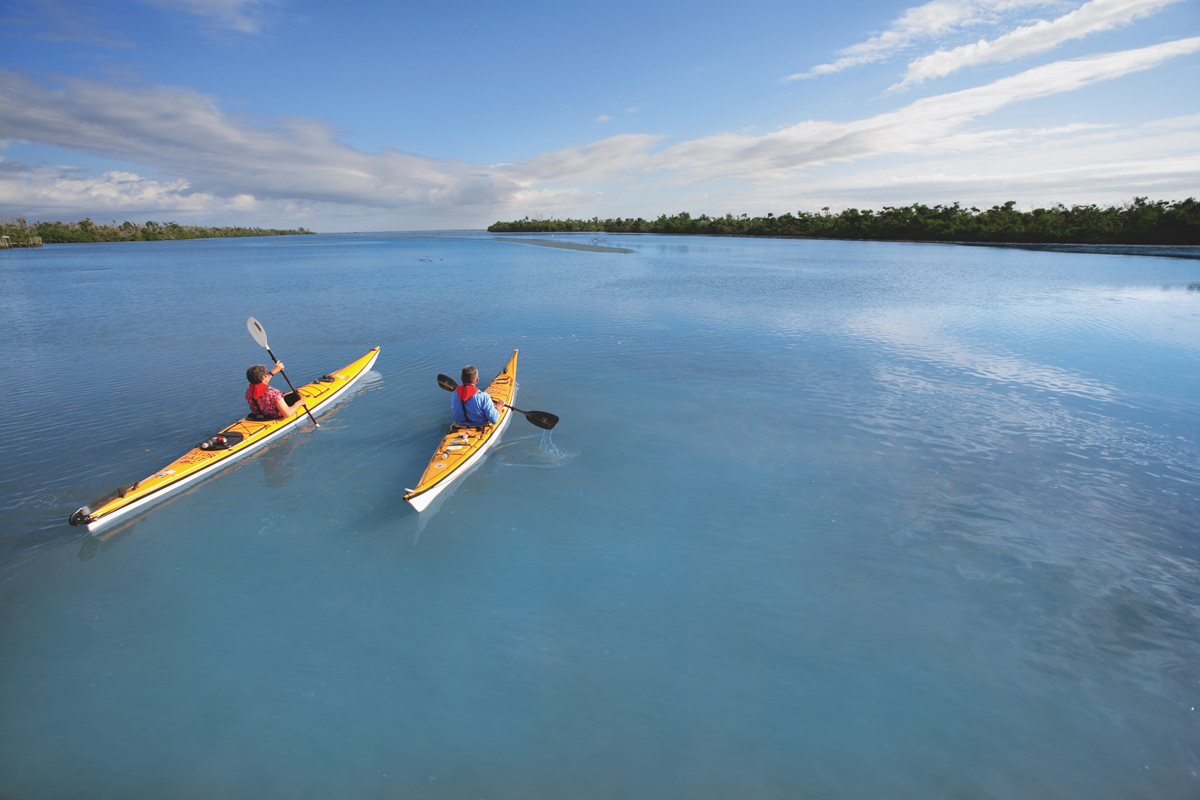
(469, 374)
(255, 374)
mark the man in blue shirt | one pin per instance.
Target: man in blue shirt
(473, 408)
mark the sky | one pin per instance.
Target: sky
(373, 116)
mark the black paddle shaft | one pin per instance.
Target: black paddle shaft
(281, 372)
(293, 388)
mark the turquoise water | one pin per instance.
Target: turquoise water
(821, 519)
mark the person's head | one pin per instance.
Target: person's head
(469, 375)
(256, 373)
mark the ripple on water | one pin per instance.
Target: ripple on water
(534, 450)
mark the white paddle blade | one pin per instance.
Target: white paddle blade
(257, 331)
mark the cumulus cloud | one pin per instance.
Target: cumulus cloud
(1092, 17)
(66, 188)
(220, 160)
(936, 18)
(188, 134)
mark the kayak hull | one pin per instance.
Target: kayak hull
(247, 436)
(421, 501)
(461, 449)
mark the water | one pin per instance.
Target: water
(821, 519)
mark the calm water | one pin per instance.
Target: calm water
(821, 519)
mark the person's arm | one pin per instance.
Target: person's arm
(489, 408)
(281, 404)
(285, 409)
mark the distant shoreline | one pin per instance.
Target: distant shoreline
(86, 231)
(1140, 222)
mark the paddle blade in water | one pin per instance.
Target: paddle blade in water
(257, 331)
(543, 419)
(447, 383)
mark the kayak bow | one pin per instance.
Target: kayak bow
(235, 441)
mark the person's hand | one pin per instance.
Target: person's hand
(275, 370)
(499, 404)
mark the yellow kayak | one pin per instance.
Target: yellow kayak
(462, 448)
(235, 441)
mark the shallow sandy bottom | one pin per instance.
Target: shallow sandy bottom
(592, 248)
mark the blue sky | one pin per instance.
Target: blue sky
(385, 116)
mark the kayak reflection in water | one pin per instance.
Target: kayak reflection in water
(267, 401)
(473, 408)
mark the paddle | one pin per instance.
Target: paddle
(260, 336)
(543, 419)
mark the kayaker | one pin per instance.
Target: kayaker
(265, 400)
(473, 408)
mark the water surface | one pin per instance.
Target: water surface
(821, 519)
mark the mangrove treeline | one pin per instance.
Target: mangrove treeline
(87, 231)
(1141, 221)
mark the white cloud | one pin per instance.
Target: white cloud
(244, 16)
(606, 159)
(217, 161)
(1037, 168)
(933, 19)
(1092, 17)
(58, 191)
(603, 118)
(1175, 123)
(1044, 186)
(925, 125)
(187, 134)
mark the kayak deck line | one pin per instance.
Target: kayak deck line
(462, 448)
(241, 438)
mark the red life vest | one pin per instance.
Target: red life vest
(257, 390)
(465, 393)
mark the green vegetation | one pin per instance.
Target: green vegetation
(1139, 222)
(87, 231)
